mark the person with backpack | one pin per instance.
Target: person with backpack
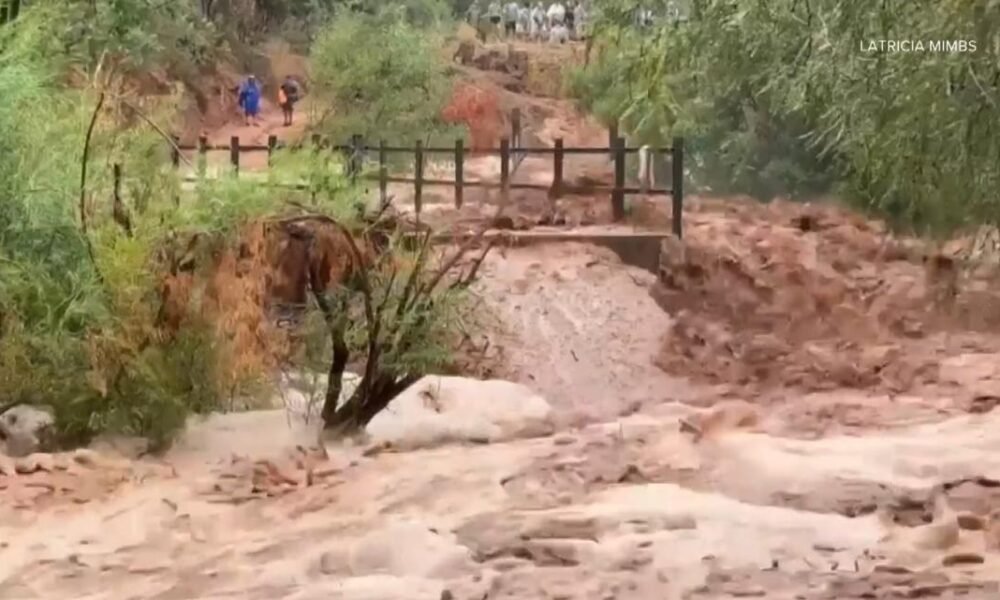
(510, 15)
(493, 14)
(249, 99)
(524, 22)
(537, 23)
(288, 95)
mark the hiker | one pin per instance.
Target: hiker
(288, 95)
(511, 12)
(556, 14)
(537, 22)
(477, 19)
(644, 18)
(493, 14)
(558, 33)
(524, 22)
(249, 99)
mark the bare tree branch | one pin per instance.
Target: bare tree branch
(159, 130)
(83, 183)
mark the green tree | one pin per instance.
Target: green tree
(383, 79)
(780, 96)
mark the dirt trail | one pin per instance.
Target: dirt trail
(271, 122)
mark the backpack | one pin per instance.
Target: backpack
(291, 90)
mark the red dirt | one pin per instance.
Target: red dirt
(479, 110)
(814, 298)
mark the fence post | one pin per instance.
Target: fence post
(504, 169)
(234, 153)
(8, 11)
(618, 193)
(202, 155)
(515, 127)
(357, 144)
(272, 143)
(175, 152)
(677, 184)
(612, 137)
(116, 170)
(418, 177)
(383, 174)
(646, 168)
(557, 171)
(459, 171)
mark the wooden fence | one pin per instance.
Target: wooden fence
(357, 153)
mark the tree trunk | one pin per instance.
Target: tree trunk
(361, 408)
(335, 378)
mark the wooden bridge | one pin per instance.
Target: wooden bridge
(358, 155)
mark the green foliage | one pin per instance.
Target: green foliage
(86, 323)
(85, 337)
(411, 341)
(780, 96)
(141, 32)
(383, 80)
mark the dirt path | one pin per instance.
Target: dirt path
(271, 122)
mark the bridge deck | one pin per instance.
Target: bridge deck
(636, 248)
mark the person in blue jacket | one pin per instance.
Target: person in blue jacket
(250, 99)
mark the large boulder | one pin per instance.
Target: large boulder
(26, 429)
(438, 410)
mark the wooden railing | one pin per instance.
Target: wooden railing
(356, 154)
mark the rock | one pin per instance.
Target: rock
(26, 429)
(438, 410)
